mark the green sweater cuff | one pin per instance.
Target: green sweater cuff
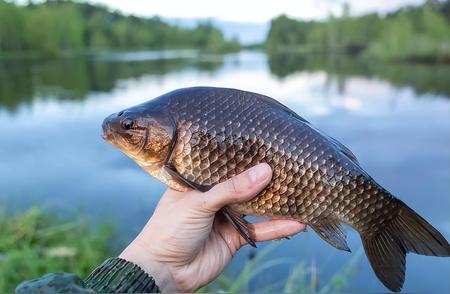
(116, 275)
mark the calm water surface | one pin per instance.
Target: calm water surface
(396, 119)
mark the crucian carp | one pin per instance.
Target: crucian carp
(194, 138)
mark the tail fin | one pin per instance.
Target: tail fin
(407, 232)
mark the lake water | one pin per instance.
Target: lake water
(395, 118)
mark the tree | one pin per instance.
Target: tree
(11, 27)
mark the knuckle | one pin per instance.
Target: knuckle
(207, 206)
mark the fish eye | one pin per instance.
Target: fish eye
(127, 124)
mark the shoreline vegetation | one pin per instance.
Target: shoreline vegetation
(410, 34)
(64, 28)
(67, 28)
(34, 243)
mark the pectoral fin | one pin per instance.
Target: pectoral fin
(236, 220)
(240, 224)
(333, 233)
(170, 169)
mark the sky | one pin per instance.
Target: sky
(251, 11)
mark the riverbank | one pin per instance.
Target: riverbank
(429, 58)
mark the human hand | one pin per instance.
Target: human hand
(185, 245)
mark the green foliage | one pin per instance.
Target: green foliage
(413, 33)
(206, 36)
(59, 26)
(33, 244)
(49, 31)
(11, 27)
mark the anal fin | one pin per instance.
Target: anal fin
(240, 224)
(333, 233)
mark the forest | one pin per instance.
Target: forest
(414, 33)
(56, 27)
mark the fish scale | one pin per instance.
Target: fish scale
(296, 153)
(199, 137)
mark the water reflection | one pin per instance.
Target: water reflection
(22, 81)
(72, 79)
(423, 78)
(51, 153)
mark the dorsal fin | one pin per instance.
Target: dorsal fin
(275, 103)
(344, 149)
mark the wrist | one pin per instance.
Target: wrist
(139, 255)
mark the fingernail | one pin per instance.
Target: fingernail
(259, 172)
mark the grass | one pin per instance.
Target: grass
(241, 283)
(33, 244)
(304, 278)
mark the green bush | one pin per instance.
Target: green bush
(34, 243)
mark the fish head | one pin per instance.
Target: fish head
(145, 136)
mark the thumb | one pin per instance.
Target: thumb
(240, 188)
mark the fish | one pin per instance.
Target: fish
(195, 138)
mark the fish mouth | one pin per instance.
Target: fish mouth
(108, 134)
(104, 136)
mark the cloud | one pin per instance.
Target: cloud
(251, 10)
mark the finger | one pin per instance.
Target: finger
(242, 187)
(274, 229)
